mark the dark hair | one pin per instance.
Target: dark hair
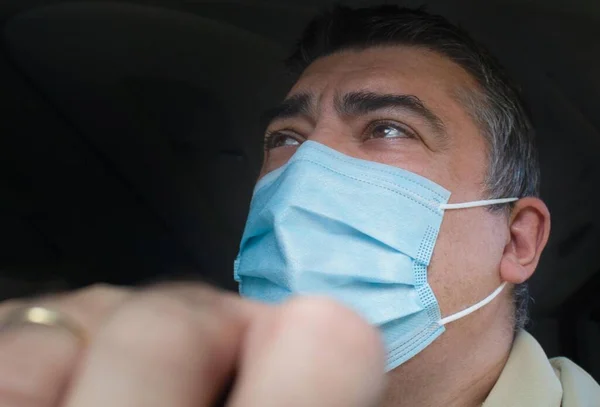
(496, 106)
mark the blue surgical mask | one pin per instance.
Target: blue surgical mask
(355, 230)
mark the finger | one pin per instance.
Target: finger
(311, 352)
(201, 295)
(36, 361)
(166, 347)
(35, 366)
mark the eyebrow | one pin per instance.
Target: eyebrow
(296, 105)
(361, 103)
(356, 104)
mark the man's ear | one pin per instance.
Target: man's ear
(529, 227)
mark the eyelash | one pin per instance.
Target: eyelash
(410, 133)
(271, 137)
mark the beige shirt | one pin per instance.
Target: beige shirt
(529, 379)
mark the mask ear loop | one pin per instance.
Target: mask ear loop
(472, 308)
(498, 290)
(475, 204)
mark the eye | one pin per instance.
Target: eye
(388, 130)
(277, 139)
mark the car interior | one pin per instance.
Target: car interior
(131, 139)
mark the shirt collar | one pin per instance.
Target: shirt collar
(527, 379)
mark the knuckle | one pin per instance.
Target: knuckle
(100, 293)
(334, 326)
(90, 305)
(98, 289)
(8, 306)
(162, 329)
(155, 318)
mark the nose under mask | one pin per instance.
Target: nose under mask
(358, 231)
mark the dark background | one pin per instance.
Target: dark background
(130, 140)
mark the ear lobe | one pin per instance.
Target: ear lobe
(529, 227)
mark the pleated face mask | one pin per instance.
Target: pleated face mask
(354, 230)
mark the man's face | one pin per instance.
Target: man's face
(397, 106)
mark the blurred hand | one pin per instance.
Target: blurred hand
(184, 345)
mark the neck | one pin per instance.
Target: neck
(454, 371)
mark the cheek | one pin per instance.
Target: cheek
(465, 264)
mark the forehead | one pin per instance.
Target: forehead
(435, 79)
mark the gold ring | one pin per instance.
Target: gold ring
(37, 315)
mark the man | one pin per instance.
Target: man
(393, 110)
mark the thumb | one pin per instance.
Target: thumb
(310, 352)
